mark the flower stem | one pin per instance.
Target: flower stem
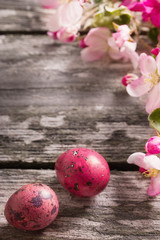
(157, 133)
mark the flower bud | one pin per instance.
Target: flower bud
(155, 51)
(153, 145)
(128, 78)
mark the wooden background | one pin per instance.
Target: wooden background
(51, 101)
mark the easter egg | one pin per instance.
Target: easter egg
(32, 207)
(82, 172)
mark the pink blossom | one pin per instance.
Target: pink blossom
(122, 46)
(122, 35)
(151, 163)
(133, 5)
(66, 15)
(152, 11)
(153, 145)
(63, 35)
(125, 52)
(149, 82)
(96, 43)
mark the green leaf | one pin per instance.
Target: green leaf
(154, 119)
(114, 11)
(153, 34)
(123, 19)
(97, 1)
(107, 15)
(102, 21)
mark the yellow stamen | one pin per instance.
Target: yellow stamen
(116, 26)
(150, 173)
(152, 78)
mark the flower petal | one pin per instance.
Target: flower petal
(133, 5)
(134, 59)
(151, 161)
(138, 87)
(154, 187)
(128, 51)
(65, 36)
(54, 24)
(122, 35)
(158, 62)
(137, 159)
(137, 6)
(98, 37)
(70, 13)
(153, 100)
(89, 54)
(155, 17)
(147, 64)
(113, 51)
(146, 161)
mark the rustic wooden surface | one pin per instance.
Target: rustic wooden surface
(121, 211)
(51, 101)
(21, 16)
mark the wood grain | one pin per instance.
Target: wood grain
(121, 211)
(51, 101)
(21, 16)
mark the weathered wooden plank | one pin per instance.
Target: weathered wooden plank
(42, 138)
(51, 101)
(121, 211)
(24, 16)
(18, 4)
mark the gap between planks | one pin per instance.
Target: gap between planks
(119, 166)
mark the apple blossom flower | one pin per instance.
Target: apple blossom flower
(150, 9)
(151, 164)
(151, 12)
(122, 34)
(66, 16)
(65, 35)
(149, 82)
(121, 46)
(96, 44)
(125, 52)
(133, 5)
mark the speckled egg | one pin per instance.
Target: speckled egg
(82, 172)
(32, 207)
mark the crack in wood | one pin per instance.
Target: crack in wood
(119, 166)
